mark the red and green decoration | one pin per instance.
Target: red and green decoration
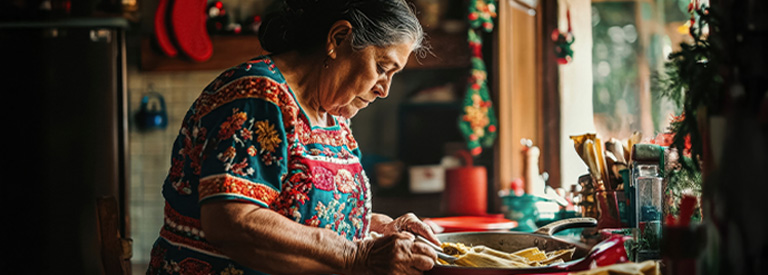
(693, 80)
(563, 42)
(478, 121)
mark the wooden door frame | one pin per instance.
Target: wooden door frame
(527, 92)
(549, 89)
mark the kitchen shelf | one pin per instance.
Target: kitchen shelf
(228, 51)
(448, 51)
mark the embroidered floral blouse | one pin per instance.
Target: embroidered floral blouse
(246, 139)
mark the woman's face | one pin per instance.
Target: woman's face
(355, 79)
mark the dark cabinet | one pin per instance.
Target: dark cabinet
(66, 138)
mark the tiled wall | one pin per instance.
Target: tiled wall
(150, 151)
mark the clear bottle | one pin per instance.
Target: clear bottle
(647, 183)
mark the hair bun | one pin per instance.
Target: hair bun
(273, 33)
(317, 8)
(300, 5)
(297, 22)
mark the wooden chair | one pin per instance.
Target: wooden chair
(116, 251)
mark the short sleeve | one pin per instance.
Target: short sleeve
(245, 152)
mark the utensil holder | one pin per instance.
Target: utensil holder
(612, 207)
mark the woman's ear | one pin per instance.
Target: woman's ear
(340, 31)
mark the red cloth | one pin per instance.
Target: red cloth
(189, 31)
(162, 37)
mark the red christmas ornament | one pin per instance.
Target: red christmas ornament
(563, 43)
(473, 16)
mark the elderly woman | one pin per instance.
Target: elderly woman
(266, 176)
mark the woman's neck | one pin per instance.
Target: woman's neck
(303, 77)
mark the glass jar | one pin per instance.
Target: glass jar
(648, 197)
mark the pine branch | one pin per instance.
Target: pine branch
(692, 80)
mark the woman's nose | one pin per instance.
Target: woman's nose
(382, 85)
(381, 90)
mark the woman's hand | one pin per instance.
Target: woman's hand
(384, 225)
(395, 254)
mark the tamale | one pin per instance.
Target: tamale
(533, 254)
(563, 254)
(474, 259)
(496, 253)
(483, 256)
(454, 249)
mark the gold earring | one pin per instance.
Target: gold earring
(330, 52)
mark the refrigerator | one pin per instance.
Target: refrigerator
(65, 140)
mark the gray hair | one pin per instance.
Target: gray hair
(303, 24)
(386, 30)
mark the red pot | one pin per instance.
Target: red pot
(466, 189)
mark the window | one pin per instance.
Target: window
(631, 40)
(608, 89)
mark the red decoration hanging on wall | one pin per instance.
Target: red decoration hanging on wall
(478, 121)
(563, 41)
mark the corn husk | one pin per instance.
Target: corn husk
(617, 149)
(558, 256)
(601, 163)
(590, 149)
(578, 144)
(475, 259)
(634, 139)
(496, 253)
(483, 256)
(454, 249)
(590, 154)
(612, 163)
(533, 254)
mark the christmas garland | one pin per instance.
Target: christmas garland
(692, 80)
(477, 121)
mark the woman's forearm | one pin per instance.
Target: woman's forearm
(267, 241)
